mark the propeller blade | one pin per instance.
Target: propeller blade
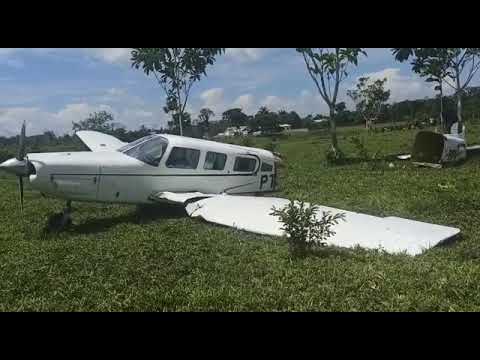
(20, 185)
(21, 143)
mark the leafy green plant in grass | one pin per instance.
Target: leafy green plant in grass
(375, 160)
(304, 230)
(5, 155)
(335, 157)
(362, 152)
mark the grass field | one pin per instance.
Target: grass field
(118, 258)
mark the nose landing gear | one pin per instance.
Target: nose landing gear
(61, 221)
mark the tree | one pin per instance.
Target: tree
(101, 121)
(235, 117)
(458, 66)
(175, 124)
(340, 107)
(295, 120)
(461, 59)
(267, 120)
(370, 98)
(429, 63)
(204, 117)
(176, 70)
(328, 68)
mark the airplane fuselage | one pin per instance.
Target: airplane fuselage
(129, 176)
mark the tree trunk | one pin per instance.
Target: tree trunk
(459, 101)
(180, 116)
(442, 121)
(333, 129)
(459, 111)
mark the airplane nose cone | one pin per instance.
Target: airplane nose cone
(16, 167)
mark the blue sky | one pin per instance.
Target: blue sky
(50, 88)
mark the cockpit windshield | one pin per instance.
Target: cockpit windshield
(149, 149)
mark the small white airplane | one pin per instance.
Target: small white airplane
(205, 177)
(134, 173)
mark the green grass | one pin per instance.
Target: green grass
(117, 258)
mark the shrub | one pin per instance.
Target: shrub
(304, 230)
(334, 157)
(359, 145)
(5, 155)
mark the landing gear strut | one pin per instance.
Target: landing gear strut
(67, 215)
(61, 220)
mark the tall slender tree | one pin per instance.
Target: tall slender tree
(431, 64)
(328, 67)
(204, 119)
(454, 66)
(176, 70)
(370, 98)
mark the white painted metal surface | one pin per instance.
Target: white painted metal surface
(97, 141)
(391, 234)
(107, 175)
(455, 148)
(179, 198)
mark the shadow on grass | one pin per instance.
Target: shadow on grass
(358, 160)
(473, 154)
(329, 252)
(141, 215)
(450, 242)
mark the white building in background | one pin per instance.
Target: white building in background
(234, 131)
(285, 127)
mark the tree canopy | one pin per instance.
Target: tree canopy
(176, 70)
(328, 67)
(370, 98)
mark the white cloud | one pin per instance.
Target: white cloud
(305, 103)
(9, 56)
(247, 103)
(245, 54)
(37, 121)
(110, 55)
(60, 121)
(7, 51)
(402, 87)
(214, 99)
(77, 112)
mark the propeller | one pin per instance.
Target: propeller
(20, 166)
(21, 143)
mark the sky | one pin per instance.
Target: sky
(51, 88)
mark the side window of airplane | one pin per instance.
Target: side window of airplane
(244, 164)
(149, 151)
(183, 158)
(266, 167)
(214, 161)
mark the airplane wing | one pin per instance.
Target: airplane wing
(391, 234)
(179, 198)
(97, 141)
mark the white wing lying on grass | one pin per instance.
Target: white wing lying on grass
(391, 234)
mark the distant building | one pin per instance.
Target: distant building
(234, 131)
